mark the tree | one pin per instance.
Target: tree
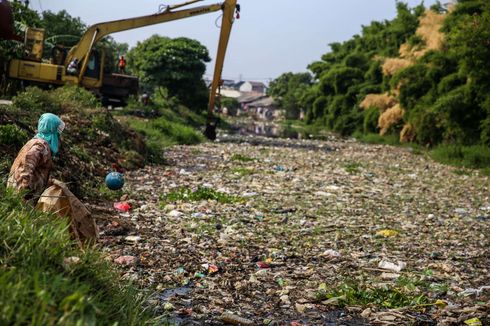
(289, 90)
(62, 24)
(176, 64)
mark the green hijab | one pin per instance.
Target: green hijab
(49, 128)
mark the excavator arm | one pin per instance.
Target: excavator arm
(229, 8)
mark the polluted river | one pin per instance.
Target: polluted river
(255, 230)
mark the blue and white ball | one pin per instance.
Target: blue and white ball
(114, 181)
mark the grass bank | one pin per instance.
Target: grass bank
(468, 157)
(471, 157)
(45, 279)
(163, 124)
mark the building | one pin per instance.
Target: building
(263, 109)
(251, 87)
(258, 106)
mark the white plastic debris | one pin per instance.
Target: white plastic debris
(385, 264)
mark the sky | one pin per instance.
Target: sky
(270, 38)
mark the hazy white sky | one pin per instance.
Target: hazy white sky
(270, 38)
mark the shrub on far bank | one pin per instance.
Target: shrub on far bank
(475, 157)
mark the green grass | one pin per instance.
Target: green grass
(242, 158)
(352, 168)
(378, 139)
(201, 193)
(161, 133)
(38, 288)
(243, 171)
(473, 157)
(402, 294)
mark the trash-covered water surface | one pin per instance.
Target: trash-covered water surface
(302, 232)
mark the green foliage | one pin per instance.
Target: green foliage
(12, 135)
(62, 24)
(468, 38)
(352, 70)
(242, 158)
(37, 100)
(474, 157)
(175, 64)
(288, 131)
(371, 117)
(413, 84)
(289, 90)
(161, 133)
(38, 287)
(75, 98)
(443, 93)
(201, 193)
(453, 118)
(23, 16)
(352, 168)
(372, 138)
(243, 171)
(57, 101)
(352, 294)
(231, 104)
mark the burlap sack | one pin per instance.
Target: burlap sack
(59, 200)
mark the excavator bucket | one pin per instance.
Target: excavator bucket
(7, 31)
(210, 131)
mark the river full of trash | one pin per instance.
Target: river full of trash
(255, 231)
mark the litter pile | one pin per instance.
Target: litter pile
(252, 234)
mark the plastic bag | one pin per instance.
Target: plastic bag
(57, 199)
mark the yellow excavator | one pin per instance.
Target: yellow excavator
(90, 72)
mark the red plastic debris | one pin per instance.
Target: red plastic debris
(122, 206)
(213, 269)
(262, 264)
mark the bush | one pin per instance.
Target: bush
(161, 133)
(11, 135)
(413, 84)
(371, 117)
(450, 82)
(377, 138)
(37, 100)
(74, 97)
(475, 157)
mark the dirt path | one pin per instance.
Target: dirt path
(315, 226)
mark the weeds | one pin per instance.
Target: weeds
(242, 171)
(378, 139)
(473, 157)
(201, 193)
(352, 168)
(38, 287)
(11, 135)
(161, 133)
(402, 294)
(242, 158)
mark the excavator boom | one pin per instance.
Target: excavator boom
(96, 32)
